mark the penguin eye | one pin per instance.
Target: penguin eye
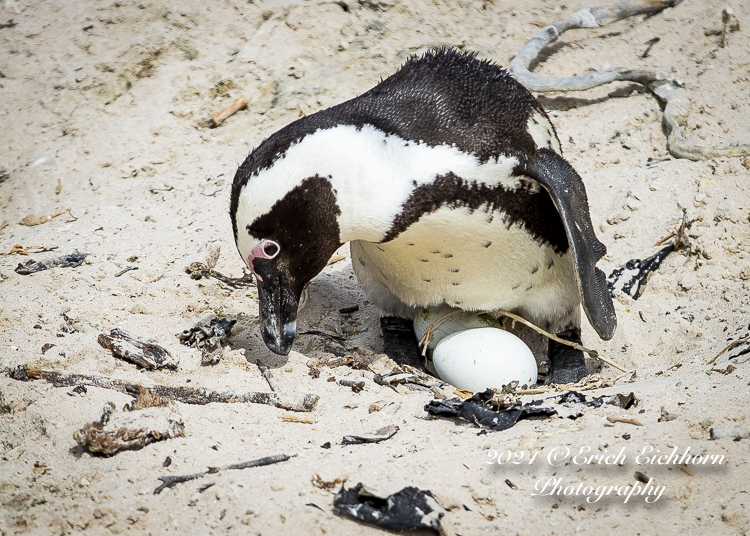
(270, 248)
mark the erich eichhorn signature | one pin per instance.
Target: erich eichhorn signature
(558, 456)
(554, 486)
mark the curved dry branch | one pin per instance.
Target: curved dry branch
(678, 146)
(662, 85)
(592, 17)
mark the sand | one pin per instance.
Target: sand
(104, 109)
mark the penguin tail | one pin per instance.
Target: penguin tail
(568, 193)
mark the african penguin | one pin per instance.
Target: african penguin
(447, 179)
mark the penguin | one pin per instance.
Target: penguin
(448, 181)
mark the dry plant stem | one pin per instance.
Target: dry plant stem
(663, 86)
(268, 376)
(236, 106)
(170, 480)
(423, 375)
(575, 387)
(234, 282)
(125, 270)
(427, 338)
(728, 347)
(592, 17)
(534, 391)
(626, 421)
(188, 395)
(680, 233)
(621, 376)
(294, 418)
(592, 353)
(679, 146)
(20, 250)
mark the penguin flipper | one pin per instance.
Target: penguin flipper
(568, 193)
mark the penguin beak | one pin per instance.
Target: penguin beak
(278, 304)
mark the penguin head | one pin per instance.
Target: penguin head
(285, 247)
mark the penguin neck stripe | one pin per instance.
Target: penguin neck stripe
(532, 208)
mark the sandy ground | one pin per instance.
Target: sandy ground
(103, 108)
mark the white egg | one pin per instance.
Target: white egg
(481, 358)
(461, 320)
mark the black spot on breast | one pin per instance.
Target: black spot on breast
(535, 269)
(531, 285)
(486, 244)
(434, 252)
(453, 270)
(534, 121)
(427, 280)
(409, 244)
(447, 256)
(515, 287)
(381, 249)
(456, 284)
(362, 262)
(382, 275)
(424, 260)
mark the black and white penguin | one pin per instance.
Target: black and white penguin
(447, 179)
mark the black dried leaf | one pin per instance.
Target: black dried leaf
(632, 277)
(476, 410)
(409, 509)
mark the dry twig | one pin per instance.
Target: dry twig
(729, 346)
(294, 418)
(169, 480)
(590, 382)
(20, 250)
(664, 87)
(125, 270)
(680, 233)
(592, 17)
(293, 401)
(429, 333)
(268, 376)
(236, 106)
(382, 434)
(626, 421)
(428, 336)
